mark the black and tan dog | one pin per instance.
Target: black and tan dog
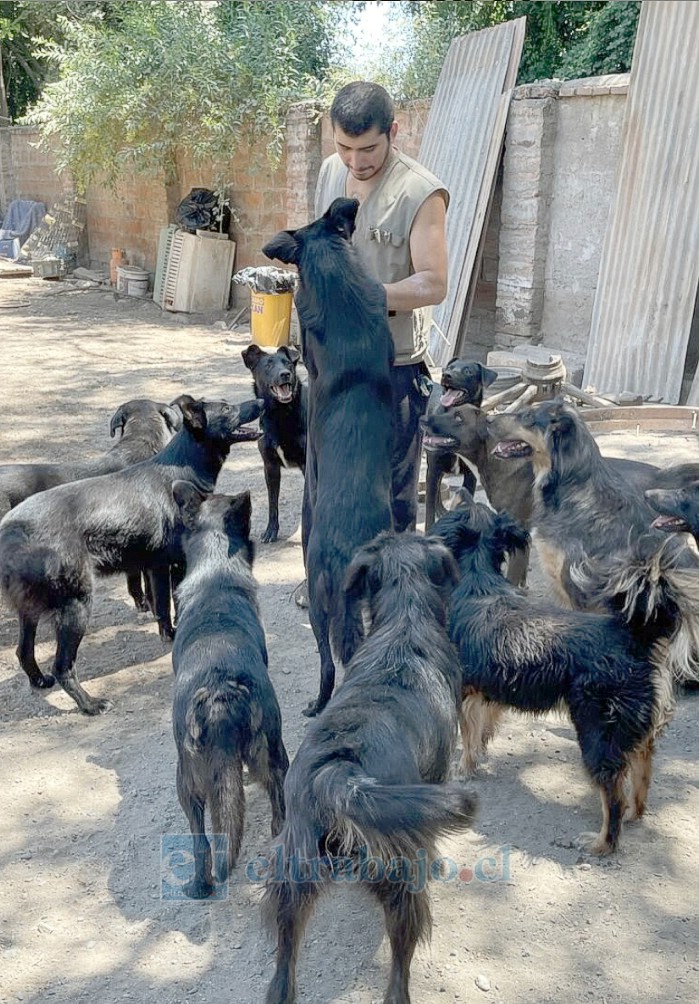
(367, 782)
(225, 713)
(583, 506)
(462, 382)
(347, 350)
(54, 544)
(508, 484)
(283, 421)
(614, 673)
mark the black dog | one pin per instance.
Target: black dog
(367, 779)
(283, 422)
(53, 544)
(582, 507)
(347, 350)
(224, 711)
(677, 508)
(462, 383)
(145, 426)
(614, 673)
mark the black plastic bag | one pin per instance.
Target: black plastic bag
(201, 210)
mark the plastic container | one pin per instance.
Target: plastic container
(132, 280)
(270, 318)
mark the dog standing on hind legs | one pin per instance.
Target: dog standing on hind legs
(369, 776)
(614, 673)
(225, 711)
(347, 350)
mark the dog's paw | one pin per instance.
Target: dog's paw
(594, 843)
(194, 889)
(270, 535)
(97, 706)
(313, 709)
(167, 634)
(43, 681)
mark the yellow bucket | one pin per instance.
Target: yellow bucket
(270, 318)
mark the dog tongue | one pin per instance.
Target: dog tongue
(450, 398)
(283, 392)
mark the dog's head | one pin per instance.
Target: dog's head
(218, 421)
(464, 382)
(678, 509)
(551, 433)
(398, 570)
(141, 412)
(226, 516)
(274, 373)
(460, 429)
(478, 537)
(337, 222)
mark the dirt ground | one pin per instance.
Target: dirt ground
(90, 907)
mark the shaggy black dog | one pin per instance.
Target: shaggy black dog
(347, 350)
(613, 673)
(583, 506)
(462, 383)
(283, 422)
(224, 711)
(364, 795)
(53, 544)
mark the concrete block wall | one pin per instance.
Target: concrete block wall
(28, 171)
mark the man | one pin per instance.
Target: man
(400, 238)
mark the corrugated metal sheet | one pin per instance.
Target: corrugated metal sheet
(649, 269)
(462, 144)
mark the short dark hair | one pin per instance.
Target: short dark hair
(359, 106)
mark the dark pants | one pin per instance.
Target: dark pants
(410, 395)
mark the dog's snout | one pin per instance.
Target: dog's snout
(285, 376)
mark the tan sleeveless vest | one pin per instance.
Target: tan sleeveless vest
(382, 235)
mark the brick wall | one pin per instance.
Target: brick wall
(28, 171)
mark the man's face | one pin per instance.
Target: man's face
(364, 155)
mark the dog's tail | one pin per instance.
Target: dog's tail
(654, 588)
(218, 729)
(390, 820)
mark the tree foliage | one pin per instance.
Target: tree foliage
(563, 39)
(158, 76)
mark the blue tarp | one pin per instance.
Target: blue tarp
(22, 217)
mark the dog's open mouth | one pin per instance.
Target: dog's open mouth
(283, 392)
(452, 397)
(670, 524)
(432, 442)
(245, 433)
(510, 449)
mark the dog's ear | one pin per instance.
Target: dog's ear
(188, 500)
(284, 247)
(357, 585)
(193, 413)
(239, 513)
(252, 355)
(342, 215)
(291, 353)
(172, 416)
(488, 376)
(118, 421)
(508, 535)
(441, 566)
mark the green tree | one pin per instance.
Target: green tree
(166, 76)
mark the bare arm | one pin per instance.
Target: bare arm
(428, 251)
